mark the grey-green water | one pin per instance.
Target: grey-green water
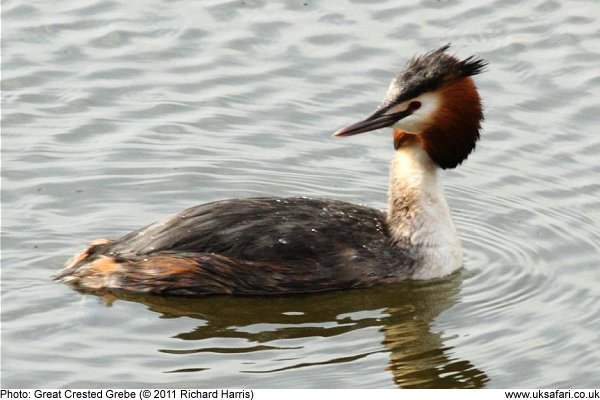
(118, 113)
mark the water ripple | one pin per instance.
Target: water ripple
(116, 114)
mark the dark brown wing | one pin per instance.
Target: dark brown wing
(260, 245)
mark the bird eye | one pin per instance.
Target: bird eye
(414, 105)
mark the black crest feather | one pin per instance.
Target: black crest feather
(429, 71)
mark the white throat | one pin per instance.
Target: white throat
(418, 215)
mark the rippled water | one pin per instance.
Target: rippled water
(118, 113)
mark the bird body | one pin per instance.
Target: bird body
(296, 245)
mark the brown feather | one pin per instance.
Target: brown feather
(455, 130)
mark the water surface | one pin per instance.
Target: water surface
(119, 113)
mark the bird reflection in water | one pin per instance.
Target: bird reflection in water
(405, 313)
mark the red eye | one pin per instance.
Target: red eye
(414, 105)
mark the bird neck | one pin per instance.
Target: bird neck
(419, 218)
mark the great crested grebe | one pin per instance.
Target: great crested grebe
(294, 245)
